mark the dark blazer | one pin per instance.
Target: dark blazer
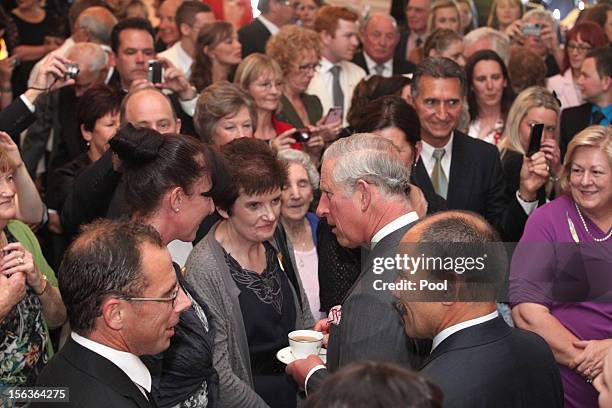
(400, 48)
(400, 65)
(313, 106)
(476, 181)
(93, 380)
(494, 365)
(253, 38)
(16, 118)
(370, 327)
(573, 120)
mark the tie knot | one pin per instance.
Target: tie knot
(379, 68)
(438, 153)
(335, 70)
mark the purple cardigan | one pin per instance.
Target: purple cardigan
(553, 270)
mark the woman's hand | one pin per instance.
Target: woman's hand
(330, 131)
(589, 363)
(19, 260)
(515, 31)
(284, 140)
(551, 151)
(6, 70)
(10, 148)
(534, 174)
(12, 291)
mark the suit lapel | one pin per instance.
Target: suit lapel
(104, 371)
(460, 171)
(421, 178)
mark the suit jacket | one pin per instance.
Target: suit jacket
(16, 118)
(350, 75)
(400, 65)
(476, 181)
(289, 114)
(573, 120)
(494, 365)
(253, 38)
(93, 380)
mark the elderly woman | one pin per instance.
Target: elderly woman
(224, 112)
(490, 95)
(580, 40)
(248, 280)
(262, 77)
(300, 224)
(218, 54)
(29, 298)
(168, 181)
(577, 327)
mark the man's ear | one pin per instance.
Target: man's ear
(607, 83)
(365, 194)
(417, 151)
(113, 313)
(325, 37)
(185, 29)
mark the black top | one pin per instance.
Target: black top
(267, 305)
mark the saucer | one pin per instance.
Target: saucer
(286, 355)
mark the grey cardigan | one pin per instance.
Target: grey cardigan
(210, 277)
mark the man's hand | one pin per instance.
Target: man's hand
(50, 76)
(176, 81)
(300, 368)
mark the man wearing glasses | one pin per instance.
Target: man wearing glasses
(123, 301)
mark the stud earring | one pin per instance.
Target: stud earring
(177, 209)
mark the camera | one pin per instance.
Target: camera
(154, 72)
(302, 135)
(72, 71)
(532, 30)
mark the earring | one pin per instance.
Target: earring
(177, 209)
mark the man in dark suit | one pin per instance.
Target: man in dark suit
(274, 15)
(595, 83)
(123, 300)
(417, 14)
(477, 359)
(379, 37)
(17, 116)
(364, 183)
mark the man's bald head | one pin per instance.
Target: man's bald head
(95, 24)
(149, 107)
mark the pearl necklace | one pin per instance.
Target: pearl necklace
(587, 229)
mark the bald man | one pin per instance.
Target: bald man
(476, 358)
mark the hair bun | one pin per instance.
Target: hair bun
(136, 146)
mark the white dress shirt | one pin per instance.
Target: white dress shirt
(130, 364)
(446, 333)
(394, 226)
(371, 64)
(179, 58)
(272, 28)
(429, 161)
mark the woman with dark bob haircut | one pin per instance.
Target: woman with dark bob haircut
(243, 271)
(376, 385)
(490, 95)
(168, 181)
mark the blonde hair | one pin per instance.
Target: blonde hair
(7, 164)
(440, 4)
(492, 21)
(289, 42)
(533, 97)
(593, 136)
(254, 67)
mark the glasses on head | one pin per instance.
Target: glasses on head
(171, 299)
(308, 67)
(583, 48)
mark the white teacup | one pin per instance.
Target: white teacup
(305, 342)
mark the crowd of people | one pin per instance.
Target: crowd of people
(182, 185)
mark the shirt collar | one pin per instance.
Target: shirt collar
(606, 111)
(372, 64)
(449, 331)
(427, 149)
(272, 28)
(127, 362)
(326, 64)
(394, 226)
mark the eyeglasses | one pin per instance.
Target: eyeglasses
(171, 299)
(583, 48)
(308, 67)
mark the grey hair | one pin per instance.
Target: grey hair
(365, 156)
(291, 156)
(99, 28)
(500, 42)
(368, 18)
(540, 14)
(89, 55)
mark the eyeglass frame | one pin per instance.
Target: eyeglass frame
(579, 47)
(171, 299)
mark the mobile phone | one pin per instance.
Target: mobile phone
(154, 72)
(334, 115)
(532, 29)
(535, 138)
(302, 135)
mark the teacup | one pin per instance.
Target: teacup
(305, 342)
